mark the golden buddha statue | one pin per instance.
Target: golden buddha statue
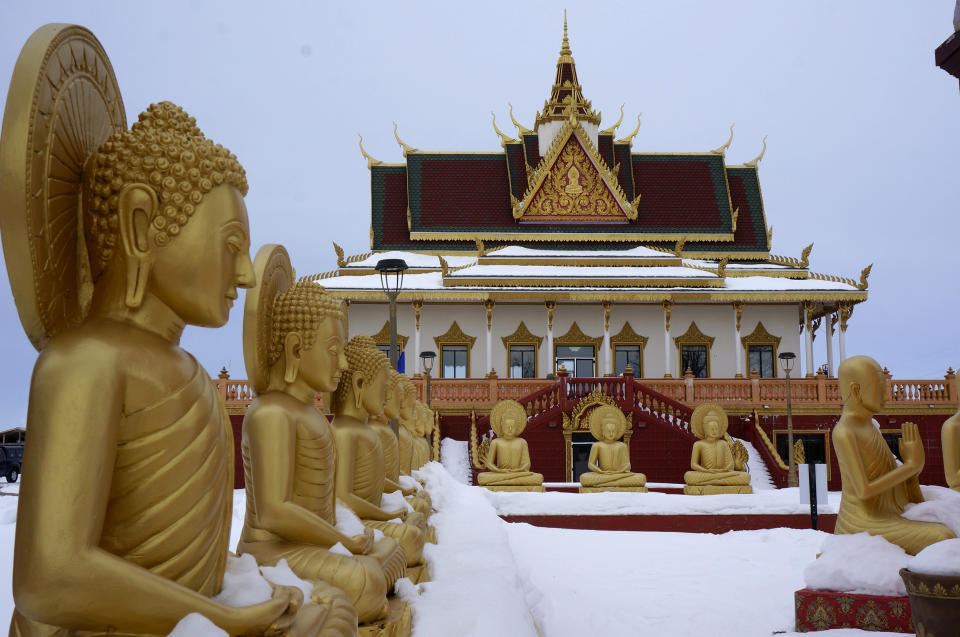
(712, 462)
(875, 488)
(950, 444)
(508, 460)
(609, 461)
(396, 407)
(420, 454)
(406, 436)
(293, 348)
(134, 235)
(360, 470)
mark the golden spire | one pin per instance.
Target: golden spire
(566, 91)
(565, 46)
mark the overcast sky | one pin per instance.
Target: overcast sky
(863, 128)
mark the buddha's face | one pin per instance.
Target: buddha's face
(609, 429)
(509, 427)
(711, 427)
(197, 274)
(405, 404)
(391, 406)
(322, 364)
(873, 392)
(375, 393)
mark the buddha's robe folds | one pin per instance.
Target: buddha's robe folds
(405, 445)
(716, 456)
(313, 489)
(610, 457)
(880, 514)
(420, 502)
(171, 494)
(368, 479)
(509, 456)
(421, 453)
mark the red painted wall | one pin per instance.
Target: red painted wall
(236, 420)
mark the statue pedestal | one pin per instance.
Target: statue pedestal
(535, 488)
(614, 489)
(934, 602)
(397, 623)
(823, 610)
(711, 489)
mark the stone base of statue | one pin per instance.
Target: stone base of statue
(824, 610)
(934, 602)
(613, 489)
(397, 623)
(714, 489)
(418, 573)
(536, 488)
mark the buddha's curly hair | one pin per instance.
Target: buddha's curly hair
(363, 358)
(167, 151)
(409, 389)
(301, 309)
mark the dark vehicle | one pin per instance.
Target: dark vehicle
(11, 453)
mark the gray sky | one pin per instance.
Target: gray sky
(863, 128)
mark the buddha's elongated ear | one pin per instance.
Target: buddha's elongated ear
(291, 357)
(136, 206)
(358, 387)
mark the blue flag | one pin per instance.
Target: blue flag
(400, 363)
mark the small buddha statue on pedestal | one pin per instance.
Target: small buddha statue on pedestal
(293, 348)
(508, 460)
(360, 468)
(117, 241)
(712, 463)
(875, 487)
(609, 461)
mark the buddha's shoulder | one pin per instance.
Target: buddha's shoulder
(98, 346)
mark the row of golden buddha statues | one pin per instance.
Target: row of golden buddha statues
(115, 239)
(717, 463)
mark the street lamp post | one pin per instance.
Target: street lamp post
(391, 280)
(427, 358)
(787, 359)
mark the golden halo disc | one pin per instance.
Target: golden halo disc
(501, 409)
(596, 425)
(63, 103)
(274, 277)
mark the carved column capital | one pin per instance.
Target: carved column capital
(846, 311)
(738, 306)
(417, 305)
(667, 307)
(488, 305)
(607, 307)
(551, 306)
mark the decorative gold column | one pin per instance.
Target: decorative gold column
(605, 348)
(551, 306)
(488, 306)
(667, 364)
(829, 321)
(845, 311)
(417, 306)
(737, 347)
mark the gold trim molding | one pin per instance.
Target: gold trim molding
(693, 336)
(454, 336)
(575, 336)
(760, 336)
(383, 337)
(626, 336)
(523, 336)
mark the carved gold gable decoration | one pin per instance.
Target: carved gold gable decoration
(575, 336)
(454, 336)
(573, 184)
(693, 336)
(627, 336)
(383, 337)
(521, 336)
(579, 419)
(760, 336)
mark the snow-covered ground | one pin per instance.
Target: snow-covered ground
(494, 578)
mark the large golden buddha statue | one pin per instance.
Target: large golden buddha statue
(950, 444)
(875, 487)
(406, 437)
(609, 461)
(360, 470)
(293, 348)
(115, 240)
(508, 460)
(420, 454)
(712, 464)
(396, 407)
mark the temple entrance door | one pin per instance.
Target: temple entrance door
(580, 444)
(579, 361)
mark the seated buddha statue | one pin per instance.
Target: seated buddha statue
(293, 348)
(360, 470)
(609, 461)
(950, 444)
(406, 438)
(875, 487)
(395, 407)
(421, 442)
(712, 464)
(508, 460)
(132, 534)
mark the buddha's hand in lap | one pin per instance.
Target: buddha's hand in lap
(360, 544)
(272, 618)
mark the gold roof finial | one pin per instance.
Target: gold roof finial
(406, 147)
(371, 162)
(520, 128)
(613, 129)
(862, 285)
(756, 160)
(504, 140)
(723, 149)
(565, 46)
(629, 138)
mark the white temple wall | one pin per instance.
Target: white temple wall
(506, 319)
(779, 320)
(646, 320)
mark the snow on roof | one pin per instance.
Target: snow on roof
(414, 259)
(586, 272)
(519, 251)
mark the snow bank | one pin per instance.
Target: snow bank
(859, 563)
(942, 505)
(243, 585)
(196, 625)
(774, 501)
(394, 501)
(281, 575)
(347, 521)
(759, 474)
(455, 456)
(738, 584)
(942, 558)
(474, 583)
